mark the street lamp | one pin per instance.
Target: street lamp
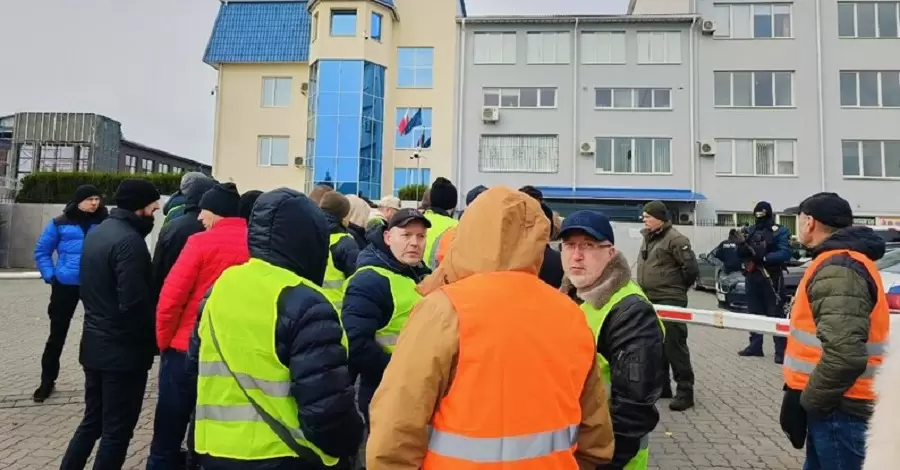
(417, 155)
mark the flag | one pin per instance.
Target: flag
(412, 123)
(401, 127)
(424, 141)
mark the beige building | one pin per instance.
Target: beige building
(357, 93)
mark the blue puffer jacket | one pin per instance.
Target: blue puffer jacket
(65, 235)
(368, 306)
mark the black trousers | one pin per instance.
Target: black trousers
(764, 298)
(112, 405)
(677, 355)
(63, 301)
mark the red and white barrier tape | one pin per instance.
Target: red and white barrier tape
(725, 320)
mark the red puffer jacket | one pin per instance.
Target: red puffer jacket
(200, 263)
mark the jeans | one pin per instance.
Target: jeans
(177, 396)
(835, 442)
(112, 405)
(63, 301)
(762, 300)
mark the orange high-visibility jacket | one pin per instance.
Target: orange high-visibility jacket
(804, 350)
(514, 402)
(444, 242)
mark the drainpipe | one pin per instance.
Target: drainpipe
(217, 119)
(460, 101)
(820, 98)
(575, 144)
(692, 78)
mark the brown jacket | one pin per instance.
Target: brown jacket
(503, 230)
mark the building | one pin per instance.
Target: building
(138, 158)
(711, 110)
(316, 91)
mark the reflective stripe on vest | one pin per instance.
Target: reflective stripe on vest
(404, 297)
(524, 425)
(335, 281)
(596, 317)
(439, 225)
(804, 349)
(243, 308)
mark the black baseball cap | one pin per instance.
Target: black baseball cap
(828, 208)
(404, 216)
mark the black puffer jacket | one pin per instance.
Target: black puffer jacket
(119, 305)
(346, 250)
(307, 334)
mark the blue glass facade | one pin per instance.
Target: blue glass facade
(346, 126)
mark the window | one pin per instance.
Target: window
(415, 67)
(495, 48)
(870, 89)
(177, 170)
(599, 47)
(753, 21)
(520, 97)
(633, 155)
(407, 176)
(343, 22)
(871, 158)
(419, 136)
(633, 98)
(659, 47)
(273, 151)
(548, 48)
(131, 164)
(754, 89)
(518, 154)
(868, 19)
(755, 157)
(375, 27)
(163, 168)
(276, 92)
(314, 33)
(147, 165)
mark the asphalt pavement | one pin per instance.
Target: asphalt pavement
(733, 426)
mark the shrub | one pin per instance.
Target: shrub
(412, 192)
(59, 187)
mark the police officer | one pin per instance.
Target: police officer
(727, 253)
(764, 249)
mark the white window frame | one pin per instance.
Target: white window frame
(855, 5)
(729, 9)
(483, 42)
(269, 96)
(259, 151)
(859, 152)
(720, 144)
(163, 168)
(146, 165)
(879, 88)
(560, 42)
(645, 38)
(635, 93)
(753, 89)
(131, 164)
(500, 92)
(612, 41)
(516, 149)
(612, 155)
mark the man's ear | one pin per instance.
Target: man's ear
(386, 235)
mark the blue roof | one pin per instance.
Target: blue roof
(622, 194)
(259, 32)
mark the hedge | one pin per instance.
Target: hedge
(412, 192)
(59, 187)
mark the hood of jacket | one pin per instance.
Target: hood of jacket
(334, 225)
(174, 201)
(379, 255)
(503, 230)
(195, 190)
(860, 239)
(616, 274)
(273, 236)
(769, 219)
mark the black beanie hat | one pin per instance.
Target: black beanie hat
(443, 194)
(245, 207)
(658, 210)
(223, 200)
(134, 194)
(86, 191)
(533, 192)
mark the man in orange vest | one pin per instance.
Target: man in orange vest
(839, 330)
(494, 367)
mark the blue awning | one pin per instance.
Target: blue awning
(621, 194)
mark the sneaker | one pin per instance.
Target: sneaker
(681, 402)
(747, 352)
(43, 392)
(666, 392)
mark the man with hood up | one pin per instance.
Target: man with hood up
(494, 368)
(442, 199)
(175, 206)
(269, 352)
(64, 235)
(764, 250)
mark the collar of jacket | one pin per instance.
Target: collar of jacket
(616, 274)
(226, 222)
(129, 218)
(385, 259)
(440, 212)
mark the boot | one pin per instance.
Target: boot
(748, 352)
(43, 392)
(681, 402)
(779, 358)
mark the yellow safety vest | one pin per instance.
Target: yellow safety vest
(335, 280)
(404, 297)
(595, 318)
(439, 225)
(240, 317)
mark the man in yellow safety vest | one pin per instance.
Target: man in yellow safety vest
(443, 198)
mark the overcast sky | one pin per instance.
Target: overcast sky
(139, 62)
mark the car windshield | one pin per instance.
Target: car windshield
(890, 262)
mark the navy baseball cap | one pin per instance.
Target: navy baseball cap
(593, 223)
(404, 217)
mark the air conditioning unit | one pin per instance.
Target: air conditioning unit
(490, 114)
(708, 27)
(685, 218)
(707, 149)
(298, 162)
(304, 87)
(587, 148)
